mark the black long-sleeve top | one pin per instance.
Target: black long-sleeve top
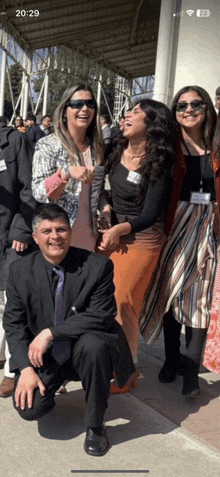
(198, 167)
(124, 184)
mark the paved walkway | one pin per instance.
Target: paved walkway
(153, 431)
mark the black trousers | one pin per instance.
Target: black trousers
(195, 339)
(91, 363)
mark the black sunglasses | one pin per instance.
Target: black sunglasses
(79, 103)
(196, 105)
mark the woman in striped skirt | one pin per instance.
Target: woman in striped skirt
(181, 289)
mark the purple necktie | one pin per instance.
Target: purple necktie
(61, 350)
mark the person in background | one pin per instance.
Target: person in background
(116, 130)
(140, 175)
(180, 292)
(106, 131)
(121, 124)
(40, 130)
(60, 324)
(30, 123)
(19, 125)
(211, 357)
(17, 206)
(67, 166)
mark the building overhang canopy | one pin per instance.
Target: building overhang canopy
(119, 34)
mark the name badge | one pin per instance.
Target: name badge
(134, 177)
(200, 198)
(3, 166)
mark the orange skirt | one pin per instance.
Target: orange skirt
(134, 262)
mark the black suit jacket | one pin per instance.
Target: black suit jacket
(17, 204)
(36, 133)
(89, 304)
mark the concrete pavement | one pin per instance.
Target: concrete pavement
(152, 431)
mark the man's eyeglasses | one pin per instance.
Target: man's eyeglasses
(196, 105)
(79, 103)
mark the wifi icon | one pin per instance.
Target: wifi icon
(190, 12)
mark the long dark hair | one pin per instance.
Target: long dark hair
(216, 140)
(208, 126)
(93, 133)
(162, 145)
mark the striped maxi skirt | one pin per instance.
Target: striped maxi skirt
(185, 273)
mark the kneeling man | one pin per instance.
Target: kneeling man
(60, 325)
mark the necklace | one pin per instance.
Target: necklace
(132, 155)
(136, 155)
(131, 161)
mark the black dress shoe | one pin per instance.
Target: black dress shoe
(169, 371)
(96, 441)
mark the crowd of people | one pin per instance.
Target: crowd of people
(97, 267)
(34, 131)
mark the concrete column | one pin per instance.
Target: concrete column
(2, 88)
(164, 51)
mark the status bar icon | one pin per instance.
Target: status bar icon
(203, 13)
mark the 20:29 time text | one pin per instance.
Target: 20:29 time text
(27, 13)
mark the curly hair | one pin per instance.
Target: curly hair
(162, 145)
(208, 126)
(93, 132)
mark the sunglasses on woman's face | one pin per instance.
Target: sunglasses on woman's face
(196, 105)
(79, 103)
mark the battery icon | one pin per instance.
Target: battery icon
(203, 13)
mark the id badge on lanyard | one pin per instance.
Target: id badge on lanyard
(3, 166)
(200, 198)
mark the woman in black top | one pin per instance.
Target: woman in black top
(181, 291)
(140, 175)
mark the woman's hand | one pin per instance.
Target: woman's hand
(82, 173)
(111, 237)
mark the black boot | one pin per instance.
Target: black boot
(195, 338)
(190, 378)
(172, 364)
